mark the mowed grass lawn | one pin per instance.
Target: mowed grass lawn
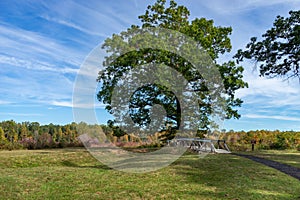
(75, 174)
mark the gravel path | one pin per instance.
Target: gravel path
(289, 170)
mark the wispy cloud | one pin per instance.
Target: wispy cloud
(34, 65)
(22, 114)
(4, 102)
(286, 118)
(34, 86)
(97, 19)
(36, 68)
(262, 3)
(267, 87)
(236, 6)
(74, 26)
(270, 92)
(31, 45)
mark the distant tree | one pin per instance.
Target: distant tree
(60, 135)
(44, 129)
(10, 129)
(55, 135)
(116, 130)
(278, 53)
(68, 134)
(23, 131)
(33, 127)
(15, 135)
(106, 129)
(2, 135)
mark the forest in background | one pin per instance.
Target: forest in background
(32, 135)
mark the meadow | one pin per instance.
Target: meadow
(72, 173)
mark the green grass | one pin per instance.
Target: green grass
(290, 157)
(74, 174)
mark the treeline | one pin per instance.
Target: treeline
(263, 139)
(32, 135)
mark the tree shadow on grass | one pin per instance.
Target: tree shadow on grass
(287, 158)
(67, 163)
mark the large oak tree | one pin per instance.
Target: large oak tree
(213, 39)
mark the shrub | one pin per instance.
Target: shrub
(238, 147)
(28, 143)
(44, 141)
(10, 146)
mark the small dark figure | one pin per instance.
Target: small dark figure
(253, 142)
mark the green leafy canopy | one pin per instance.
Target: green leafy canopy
(214, 39)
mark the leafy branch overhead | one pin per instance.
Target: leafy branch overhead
(278, 53)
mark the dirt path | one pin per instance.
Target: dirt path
(287, 169)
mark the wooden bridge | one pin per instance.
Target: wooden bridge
(201, 145)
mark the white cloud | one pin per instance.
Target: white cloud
(62, 103)
(77, 105)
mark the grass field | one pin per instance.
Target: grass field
(74, 174)
(290, 157)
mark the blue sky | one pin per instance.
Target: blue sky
(43, 44)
